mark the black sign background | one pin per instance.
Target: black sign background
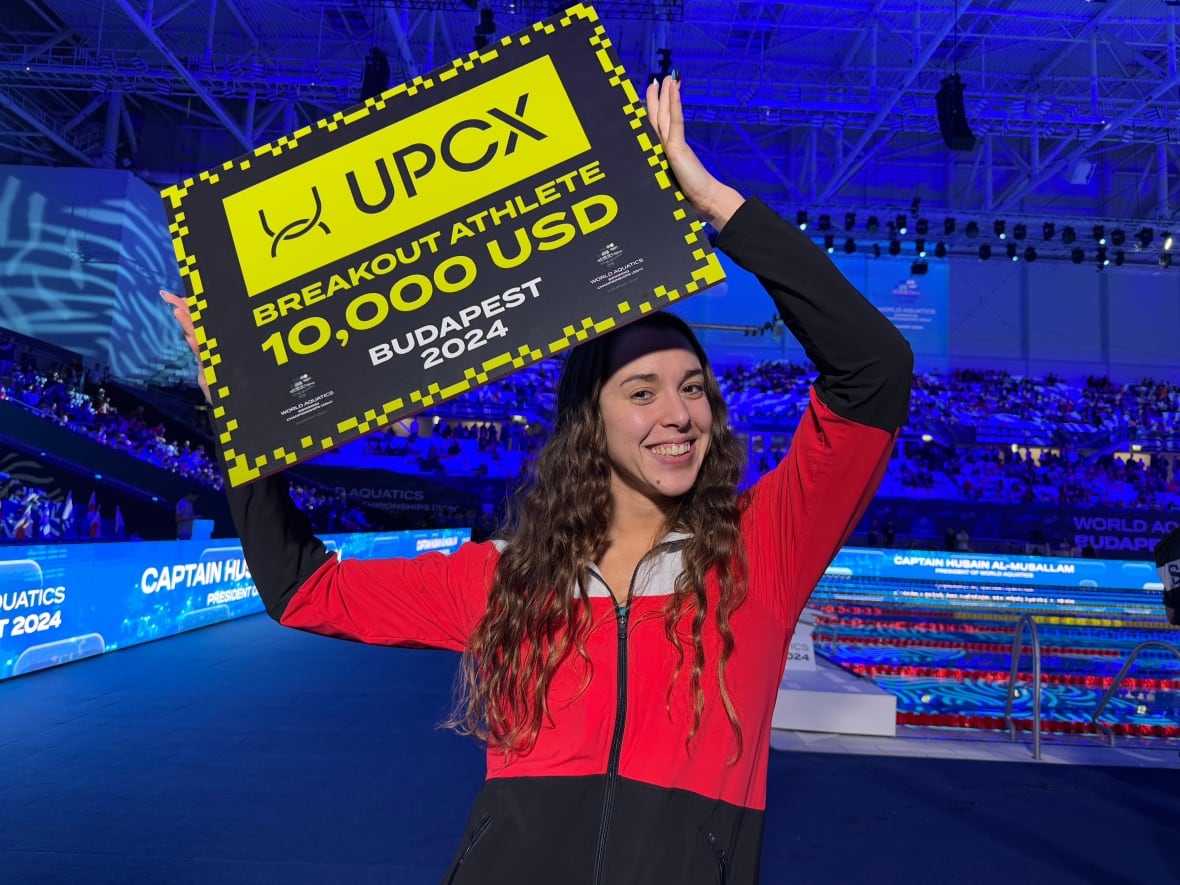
(650, 255)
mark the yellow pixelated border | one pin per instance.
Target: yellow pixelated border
(242, 468)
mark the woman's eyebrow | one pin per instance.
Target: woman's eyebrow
(652, 378)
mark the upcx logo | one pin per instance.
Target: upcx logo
(297, 228)
(457, 152)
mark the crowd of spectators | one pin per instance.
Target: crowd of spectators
(1062, 477)
(57, 394)
(455, 447)
(493, 430)
(975, 398)
(29, 514)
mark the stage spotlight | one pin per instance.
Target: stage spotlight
(486, 29)
(1119, 257)
(1100, 234)
(1145, 236)
(920, 248)
(895, 247)
(972, 229)
(1010, 251)
(801, 219)
(849, 220)
(901, 225)
(948, 226)
(825, 222)
(830, 243)
(1165, 259)
(1100, 256)
(922, 227)
(1167, 238)
(1068, 235)
(940, 249)
(1077, 256)
(985, 252)
(872, 225)
(876, 250)
(999, 228)
(1030, 254)
(1118, 236)
(850, 245)
(375, 78)
(1048, 229)
(1019, 231)
(919, 268)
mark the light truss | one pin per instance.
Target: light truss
(796, 101)
(638, 10)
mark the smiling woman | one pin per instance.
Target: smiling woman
(656, 416)
(624, 639)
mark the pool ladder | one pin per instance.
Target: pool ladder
(1118, 680)
(1017, 648)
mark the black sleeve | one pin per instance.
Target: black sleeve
(280, 548)
(866, 365)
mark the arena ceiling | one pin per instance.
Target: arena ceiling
(826, 105)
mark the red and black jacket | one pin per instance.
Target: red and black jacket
(613, 792)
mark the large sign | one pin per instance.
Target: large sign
(477, 219)
(60, 603)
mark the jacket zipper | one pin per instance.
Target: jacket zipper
(616, 744)
(719, 853)
(476, 835)
(622, 612)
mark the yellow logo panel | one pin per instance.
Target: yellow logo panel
(388, 182)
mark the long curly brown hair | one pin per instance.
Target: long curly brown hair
(538, 609)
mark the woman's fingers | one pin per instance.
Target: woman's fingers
(179, 310)
(653, 105)
(184, 318)
(675, 108)
(662, 119)
(174, 299)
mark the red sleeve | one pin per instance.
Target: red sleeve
(430, 601)
(801, 513)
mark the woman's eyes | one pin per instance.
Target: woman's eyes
(693, 391)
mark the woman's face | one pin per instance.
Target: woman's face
(656, 415)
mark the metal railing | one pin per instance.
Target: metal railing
(1118, 680)
(1017, 648)
(827, 625)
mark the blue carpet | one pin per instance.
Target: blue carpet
(245, 753)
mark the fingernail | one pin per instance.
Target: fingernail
(676, 74)
(655, 79)
(163, 293)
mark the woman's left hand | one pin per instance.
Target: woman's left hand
(713, 201)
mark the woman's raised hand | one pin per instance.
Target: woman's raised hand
(713, 201)
(185, 320)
